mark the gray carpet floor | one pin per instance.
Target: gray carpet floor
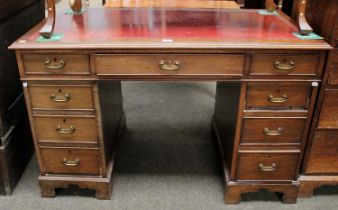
(167, 160)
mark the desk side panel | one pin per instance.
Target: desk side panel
(110, 95)
(226, 112)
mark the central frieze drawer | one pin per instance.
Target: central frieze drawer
(164, 64)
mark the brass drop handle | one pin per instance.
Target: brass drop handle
(264, 168)
(169, 65)
(71, 163)
(69, 130)
(63, 98)
(55, 64)
(277, 132)
(273, 99)
(284, 66)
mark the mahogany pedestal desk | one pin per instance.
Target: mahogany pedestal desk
(267, 84)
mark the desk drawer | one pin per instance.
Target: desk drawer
(334, 40)
(328, 117)
(61, 97)
(71, 161)
(272, 130)
(66, 129)
(283, 64)
(169, 64)
(267, 166)
(333, 76)
(323, 156)
(277, 96)
(56, 64)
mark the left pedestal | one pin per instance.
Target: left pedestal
(76, 132)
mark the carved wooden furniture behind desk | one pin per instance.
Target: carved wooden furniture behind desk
(320, 166)
(16, 146)
(267, 79)
(270, 5)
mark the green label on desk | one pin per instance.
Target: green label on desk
(265, 12)
(71, 12)
(53, 38)
(310, 36)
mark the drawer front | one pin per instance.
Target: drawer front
(281, 64)
(324, 153)
(66, 129)
(333, 76)
(334, 41)
(328, 117)
(277, 130)
(267, 166)
(71, 161)
(61, 97)
(277, 96)
(56, 64)
(107, 64)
